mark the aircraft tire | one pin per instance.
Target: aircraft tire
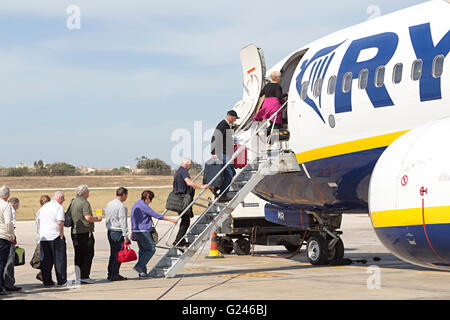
(337, 253)
(317, 250)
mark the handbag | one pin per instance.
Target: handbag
(178, 202)
(19, 257)
(154, 234)
(126, 254)
(36, 261)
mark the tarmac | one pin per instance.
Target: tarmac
(271, 274)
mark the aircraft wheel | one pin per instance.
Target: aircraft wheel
(225, 245)
(317, 250)
(242, 246)
(337, 253)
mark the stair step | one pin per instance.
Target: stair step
(214, 215)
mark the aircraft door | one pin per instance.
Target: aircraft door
(253, 71)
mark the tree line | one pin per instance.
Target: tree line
(145, 165)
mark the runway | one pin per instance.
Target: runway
(261, 277)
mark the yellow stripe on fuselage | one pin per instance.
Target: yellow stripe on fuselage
(410, 217)
(348, 147)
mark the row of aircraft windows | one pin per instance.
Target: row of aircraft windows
(397, 73)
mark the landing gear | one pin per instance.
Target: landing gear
(317, 250)
(324, 246)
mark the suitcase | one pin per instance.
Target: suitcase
(241, 160)
(212, 168)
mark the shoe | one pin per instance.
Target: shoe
(62, 284)
(52, 284)
(224, 199)
(137, 270)
(13, 289)
(213, 190)
(117, 278)
(87, 281)
(3, 292)
(144, 275)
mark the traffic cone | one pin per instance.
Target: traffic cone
(214, 251)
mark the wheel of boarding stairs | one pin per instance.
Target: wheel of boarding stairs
(242, 246)
(317, 250)
(337, 253)
(225, 245)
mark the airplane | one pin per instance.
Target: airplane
(368, 113)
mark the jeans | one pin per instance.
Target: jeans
(228, 175)
(5, 246)
(115, 239)
(146, 249)
(8, 274)
(54, 253)
(83, 244)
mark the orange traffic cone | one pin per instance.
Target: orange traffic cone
(214, 251)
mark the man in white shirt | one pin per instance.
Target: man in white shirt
(8, 275)
(116, 222)
(52, 240)
(6, 232)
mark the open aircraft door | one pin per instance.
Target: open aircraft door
(253, 71)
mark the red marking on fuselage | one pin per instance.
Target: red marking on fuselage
(404, 180)
(426, 234)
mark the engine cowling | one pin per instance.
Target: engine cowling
(409, 196)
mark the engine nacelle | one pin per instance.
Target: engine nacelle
(409, 196)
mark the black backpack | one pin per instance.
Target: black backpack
(68, 222)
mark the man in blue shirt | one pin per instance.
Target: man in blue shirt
(182, 185)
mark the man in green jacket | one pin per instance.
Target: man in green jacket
(83, 233)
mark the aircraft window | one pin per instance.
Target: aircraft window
(438, 66)
(363, 76)
(332, 85)
(317, 87)
(304, 91)
(379, 76)
(416, 71)
(347, 82)
(397, 73)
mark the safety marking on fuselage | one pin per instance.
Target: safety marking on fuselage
(426, 233)
(349, 147)
(409, 217)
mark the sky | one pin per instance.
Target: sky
(105, 82)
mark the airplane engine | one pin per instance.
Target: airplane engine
(409, 196)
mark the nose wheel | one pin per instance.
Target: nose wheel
(319, 252)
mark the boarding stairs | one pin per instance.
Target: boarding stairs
(215, 213)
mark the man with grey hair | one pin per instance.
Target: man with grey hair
(52, 241)
(8, 275)
(7, 235)
(182, 185)
(83, 232)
